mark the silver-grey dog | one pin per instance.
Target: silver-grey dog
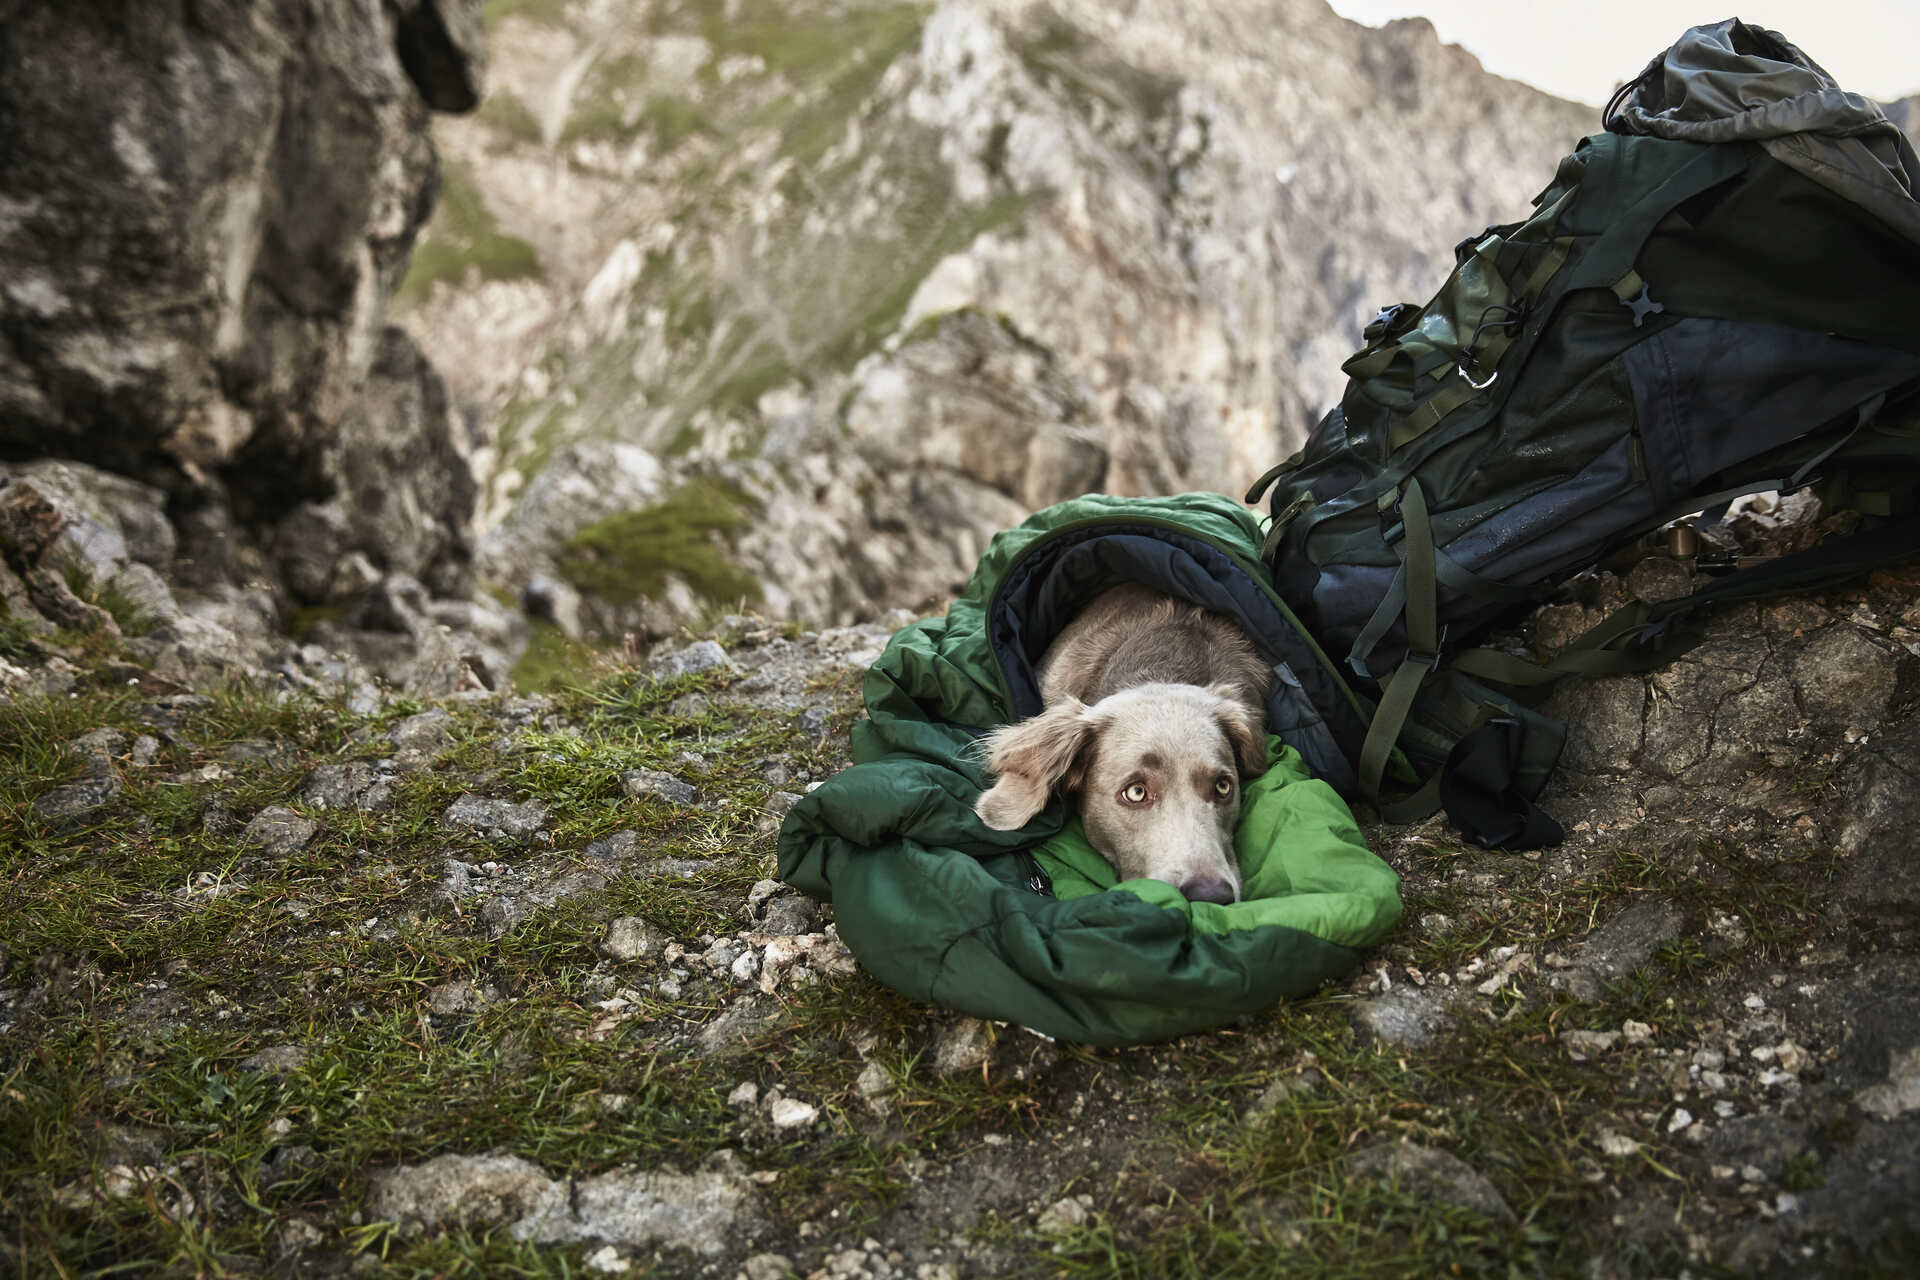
(1154, 713)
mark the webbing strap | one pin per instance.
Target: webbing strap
(1260, 486)
(1423, 803)
(1423, 616)
(1456, 577)
(1393, 602)
(1427, 414)
(1395, 703)
(1423, 641)
(1495, 667)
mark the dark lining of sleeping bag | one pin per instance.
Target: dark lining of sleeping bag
(933, 902)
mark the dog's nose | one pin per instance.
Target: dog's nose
(1208, 889)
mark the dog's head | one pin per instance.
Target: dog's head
(1157, 768)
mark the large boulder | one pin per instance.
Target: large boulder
(198, 236)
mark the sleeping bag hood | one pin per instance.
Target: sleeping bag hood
(1032, 926)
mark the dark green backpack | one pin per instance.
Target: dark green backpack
(1715, 297)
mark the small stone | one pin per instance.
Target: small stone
(760, 893)
(1636, 1032)
(791, 1113)
(1275, 1095)
(1618, 948)
(1434, 1174)
(1681, 1119)
(632, 938)
(457, 996)
(279, 1060)
(425, 733)
(496, 819)
(501, 914)
(1063, 1215)
(704, 655)
(874, 1085)
(1407, 1017)
(279, 832)
(1585, 1044)
(76, 802)
(1616, 1144)
(99, 748)
(791, 914)
(643, 784)
(145, 750)
(961, 1046)
(355, 784)
(606, 1260)
(745, 966)
(745, 1094)
(767, 1266)
(780, 801)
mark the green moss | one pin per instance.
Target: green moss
(627, 557)
(554, 661)
(463, 236)
(302, 622)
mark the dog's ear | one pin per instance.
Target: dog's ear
(1243, 731)
(1031, 759)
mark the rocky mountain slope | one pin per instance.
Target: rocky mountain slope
(896, 276)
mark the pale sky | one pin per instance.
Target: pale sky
(1583, 50)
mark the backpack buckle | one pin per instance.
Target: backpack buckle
(1383, 325)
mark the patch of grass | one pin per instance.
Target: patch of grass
(463, 236)
(627, 557)
(849, 58)
(16, 638)
(127, 613)
(553, 660)
(670, 120)
(803, 46)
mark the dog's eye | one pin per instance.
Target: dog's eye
(1134, 793)
(1223, 786)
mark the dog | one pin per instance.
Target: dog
(1154, 713)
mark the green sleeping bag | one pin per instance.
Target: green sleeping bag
(1030, 926)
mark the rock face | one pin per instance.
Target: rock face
(901, 276)
(198, 238)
